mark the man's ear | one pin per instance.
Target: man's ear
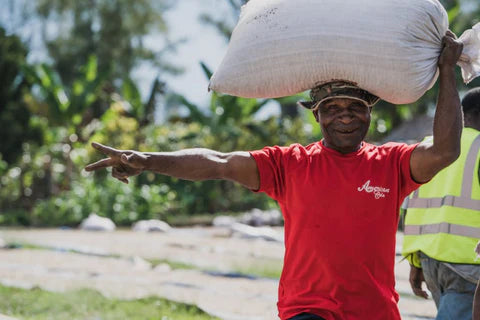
(315, 114)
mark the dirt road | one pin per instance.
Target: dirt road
(115, 264)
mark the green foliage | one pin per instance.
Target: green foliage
(39, 173)
(142, 111)
(262, 267)
(124, 204)
(15, 117)
(67, 106)
(37, 304)
(223, 110)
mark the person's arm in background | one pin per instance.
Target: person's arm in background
(476, 303)
(416, 279)
(476, 298)
(189, 164)
(429, 158)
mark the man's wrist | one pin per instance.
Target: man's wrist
(148, 163)
(447, 68)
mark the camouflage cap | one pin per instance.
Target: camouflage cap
(337, 90)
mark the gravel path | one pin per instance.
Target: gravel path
(113, 263)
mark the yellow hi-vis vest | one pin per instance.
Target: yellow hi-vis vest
(443, 216)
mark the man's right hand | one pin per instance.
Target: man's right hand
(124, 163)
(416, 280)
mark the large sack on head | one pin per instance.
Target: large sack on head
(387, 47)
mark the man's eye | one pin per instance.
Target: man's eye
(332, 108)
(358, 108)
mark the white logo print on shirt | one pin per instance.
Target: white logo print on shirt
(379, 192)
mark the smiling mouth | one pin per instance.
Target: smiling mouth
(346, 131)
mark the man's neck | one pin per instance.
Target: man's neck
(342, 150)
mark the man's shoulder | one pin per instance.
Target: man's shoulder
(300, 151)
(295, 150)
(297, 147)
(389, 148)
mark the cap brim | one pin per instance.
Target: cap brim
(307, 104)
(311, 104)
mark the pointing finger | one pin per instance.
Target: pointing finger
(106, 150)
(104, 163)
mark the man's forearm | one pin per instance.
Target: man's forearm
(448, 122)
(188, 164)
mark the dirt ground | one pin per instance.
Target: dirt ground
(115, 264)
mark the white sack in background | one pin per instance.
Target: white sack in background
(388, 47)
(151, 225)
(97, 223)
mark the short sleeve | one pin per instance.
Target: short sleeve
(407, 184)
(271, 167)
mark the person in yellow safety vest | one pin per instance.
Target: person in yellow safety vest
(442, 226)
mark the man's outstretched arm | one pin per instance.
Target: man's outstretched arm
(188, 164)
(429, 158)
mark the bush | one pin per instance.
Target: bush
(122, 203)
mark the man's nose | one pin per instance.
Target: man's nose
(346, 117)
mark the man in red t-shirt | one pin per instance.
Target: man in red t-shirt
(339, 197)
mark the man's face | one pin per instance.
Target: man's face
(344, 123)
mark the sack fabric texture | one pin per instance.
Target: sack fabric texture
(387, 47)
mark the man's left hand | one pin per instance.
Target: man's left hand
(451, 50)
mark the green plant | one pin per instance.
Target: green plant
(124, 204)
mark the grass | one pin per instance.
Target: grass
(173, 264)
(86, 304)
(264, 268)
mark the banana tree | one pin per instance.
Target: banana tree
(142, 111)
(225, 115)
(67, 106)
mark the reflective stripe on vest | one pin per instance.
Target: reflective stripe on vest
(443, 227)
(459, 202)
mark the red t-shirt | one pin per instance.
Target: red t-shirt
(341, 216)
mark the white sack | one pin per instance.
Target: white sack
(97, 223)
(388, 47)
(152, 225)
(470, 59)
